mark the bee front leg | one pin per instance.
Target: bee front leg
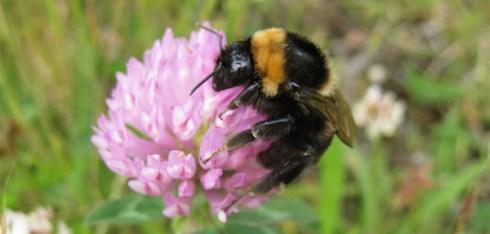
(246, 97)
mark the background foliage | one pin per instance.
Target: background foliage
(57, 65)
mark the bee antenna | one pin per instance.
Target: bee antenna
(202, 82)
(215, 33)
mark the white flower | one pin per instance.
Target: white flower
(38, 221)
(16, 222)
(63, 228)
(380, 113)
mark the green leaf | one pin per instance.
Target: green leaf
(236, 227)
(447, 136)
(428, 91)
(435, 204)
(442, 199)
(128, 210)
(479, 220)
(265, 218)
(371, 213)
(207, 230)
(332, 177)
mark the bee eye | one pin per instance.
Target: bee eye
(237, 64)
(238, 60)
(293, 87)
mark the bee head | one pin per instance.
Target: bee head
(233, 67)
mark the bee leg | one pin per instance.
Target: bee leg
(289, 163)
(265, 130)
(286, 172)
(246, 97)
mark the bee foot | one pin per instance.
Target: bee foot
(208, 157)
(238, 199)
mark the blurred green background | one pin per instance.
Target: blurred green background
(57, 64)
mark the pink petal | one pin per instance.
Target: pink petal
(211, 179)
(180, 166)
(186, 189)
(122, 166)
(175, 206)
(237, 180)
(146, 187)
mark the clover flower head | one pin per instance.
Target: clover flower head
(160, 138)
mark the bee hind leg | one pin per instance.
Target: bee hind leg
(287, 158)
(290, 163)
(285, 173)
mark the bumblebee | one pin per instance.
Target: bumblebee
(289, 79)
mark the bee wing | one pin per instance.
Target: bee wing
(337, 110)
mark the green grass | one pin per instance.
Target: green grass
(57, 65)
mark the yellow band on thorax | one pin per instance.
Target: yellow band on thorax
(268, 50)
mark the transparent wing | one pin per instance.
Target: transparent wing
(337, 110)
